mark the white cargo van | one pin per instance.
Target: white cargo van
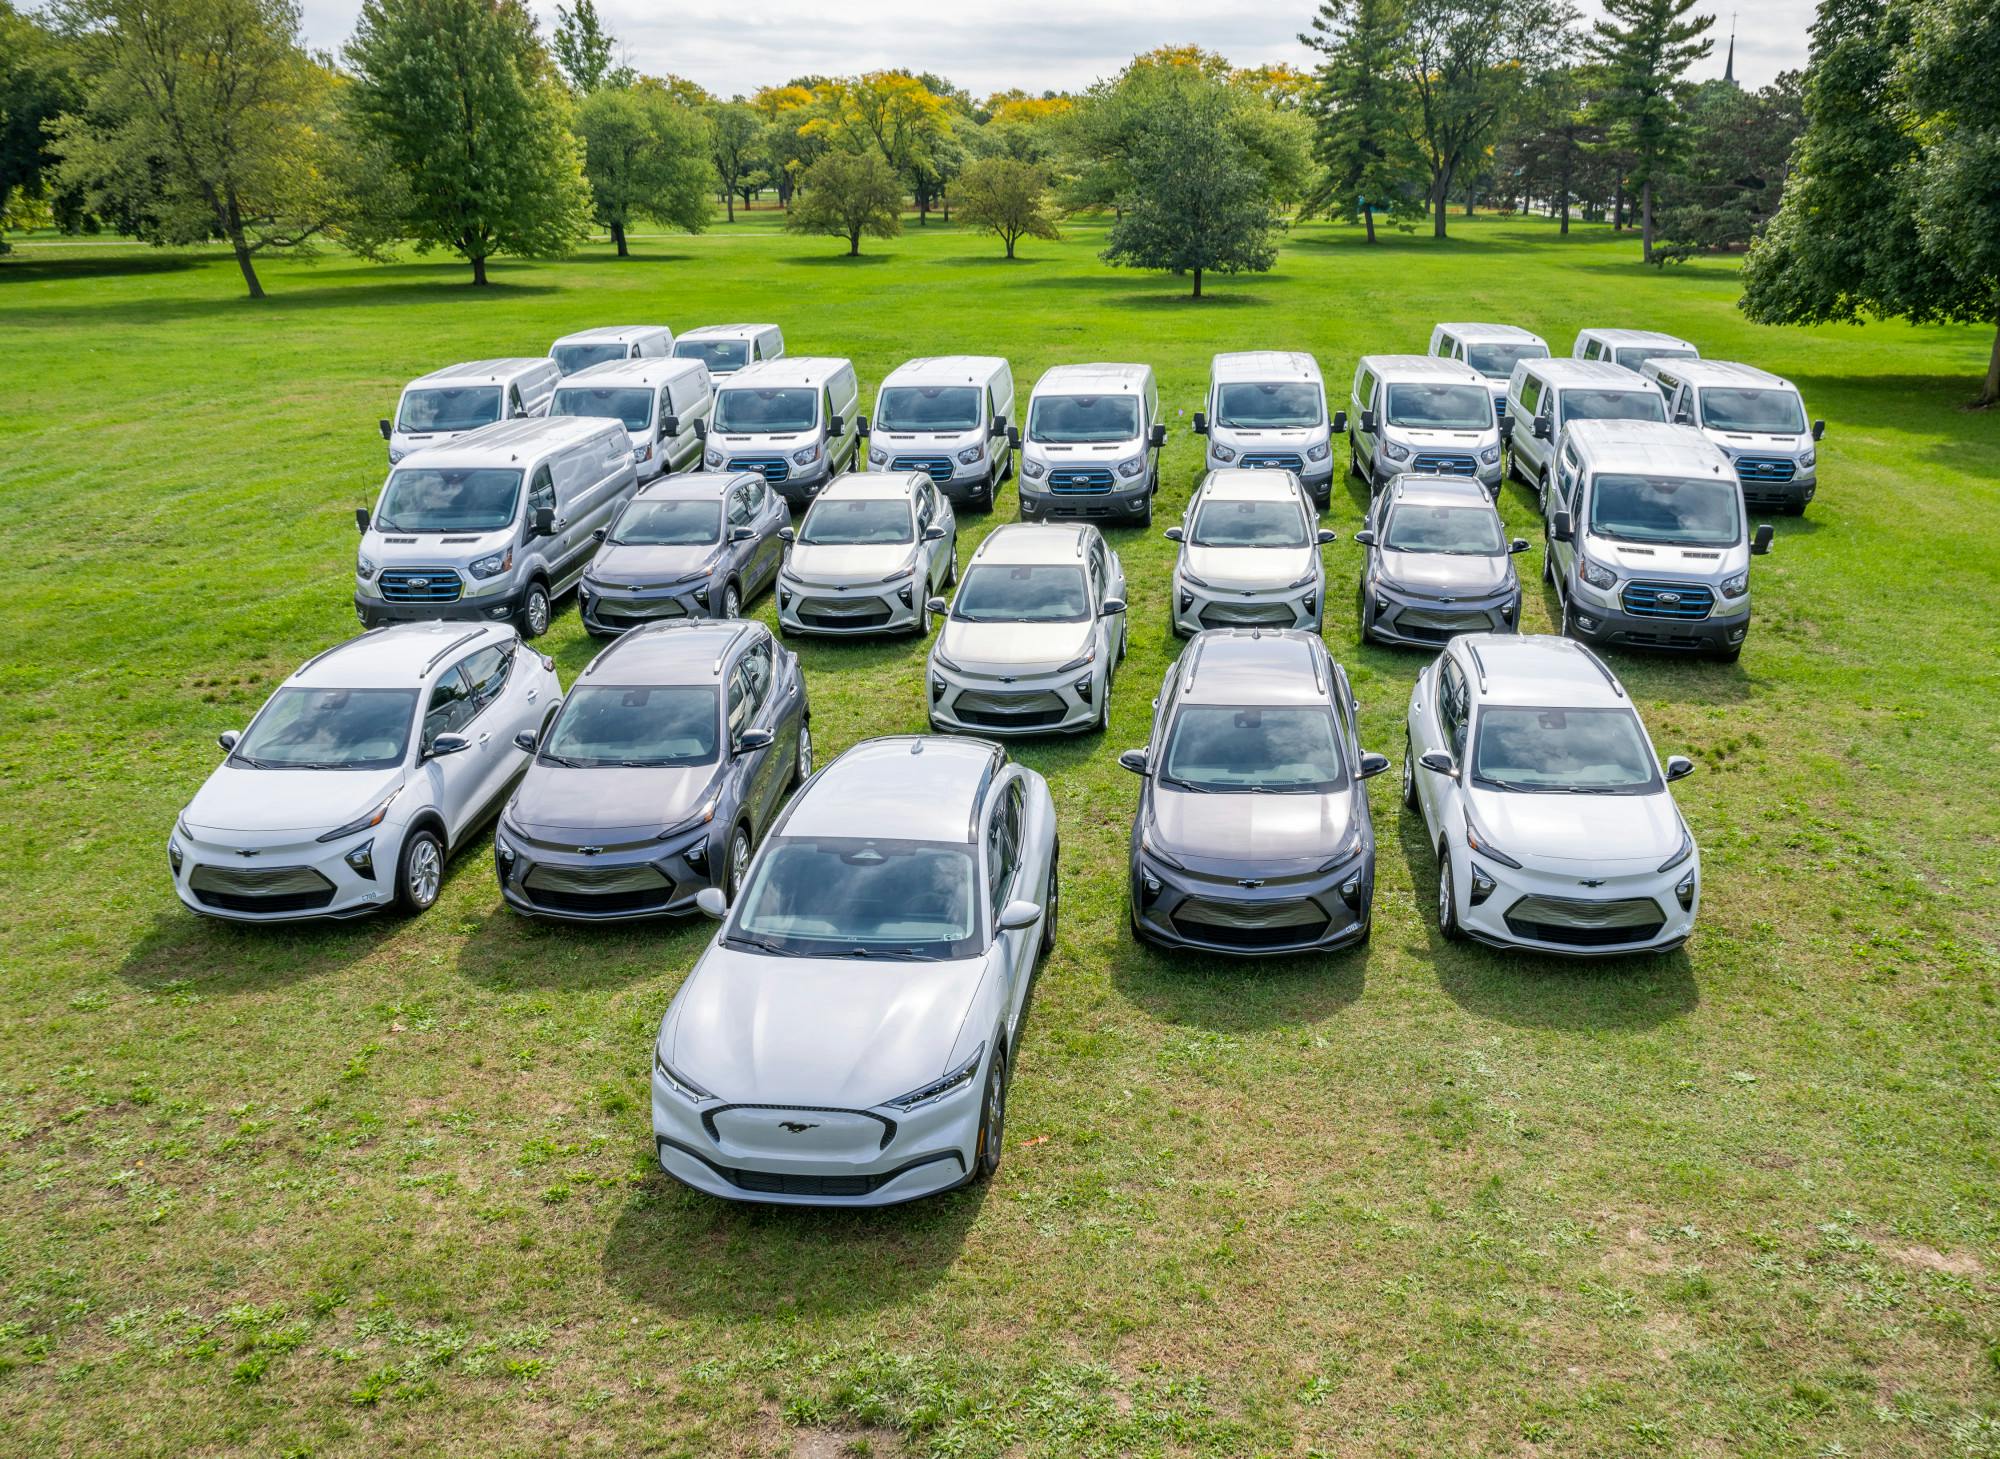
(1754, 418)
(1631, 347)
(1491, 349)
(497, 524)
(727, 348)
(791, 420)
(1418, 413)
(1266, 410)
(1544, 396)
(589, 347)
(447, 403)
(664, 405)
(1091, 444)
(947, 417)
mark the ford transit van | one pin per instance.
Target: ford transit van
(1090, 446)
(792, 420)
(589, 347)
(1631, 347)
(1266, 410)
(946, 417)
(1754, 418)
(727, 348)
(1491, 349)
(1423, 414)
(1544, 396)
(664, 405)
(447, 403)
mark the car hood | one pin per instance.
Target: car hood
(237, 798)
(1252, 568)
(611, 805)
(1448, 573)
(844, 566)
(1606, 831)
(1014, 646)
(836, 1032)
(1276, 833)
(639, 566)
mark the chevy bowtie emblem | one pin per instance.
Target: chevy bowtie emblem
(1251, 882)
(1591, 882)
(796, 1127)
(246, 853)
(589, 850)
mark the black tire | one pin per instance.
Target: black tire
(732, 601)
(992, 1137)
(1146, 517)
(736, 861)
(1353, 457)
(802, 758)
(1364, 613)
(419, 871)
(1104, 709)
(1548, 564)
(1052, 901)
(1410, 800)
(1447, 897)
(951, 562)
(1566, 627)
(1728, 655)
(531, 619)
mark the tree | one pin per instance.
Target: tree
(1360, 106)
(463, 103)
(644, 152)
(849, 195)
(37, 84)
(897, 114)
(1731, 176)
(786, 149)
(1198, 202)
(1463, 61)
(734, 133)
(1553, 137)
(202, 119)
(1646, 47)
(1007, 197)
(583, 47)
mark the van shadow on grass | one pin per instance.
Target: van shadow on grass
(223, 959)
(507, 951)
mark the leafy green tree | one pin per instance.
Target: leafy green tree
(1646, 48)
(1731, 175)
(735, 138)
(849, 195)
(37, 84)
(1463, 61)
(1008, 198)
(583, 48)
(1552, 140)
(644, 153)
(1360, 107)
(202, 119)
(1198, 202)
(462, 101)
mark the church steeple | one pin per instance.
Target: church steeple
(1729, 64)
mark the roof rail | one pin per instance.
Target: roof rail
(996, 758)
(729, 643)
(1609, 677)
(1479, 664)
(1193, 657)
(344, 643)
(453, 647)
(1319, 685)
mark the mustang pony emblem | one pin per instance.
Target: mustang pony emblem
(797, 1127)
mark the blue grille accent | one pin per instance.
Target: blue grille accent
(1272, 461)
(1765, 468)
(938, 467)
(1440, 463)
(773, 468)
(421, 585)
(1668, 600)
(1081, 480)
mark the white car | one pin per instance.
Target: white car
(847, 1037)
(1249, 555)
(1549, 810)
(1034, 636)
(872, 549)
(363, 773)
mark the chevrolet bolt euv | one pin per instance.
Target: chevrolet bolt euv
(1438, 563)
(869, 554)
(1249, 553)
(694, 546)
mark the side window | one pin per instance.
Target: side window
(757, 667)
(1452, 706)
(758, 491)
(1003, 845)
(1684, 405)
(826, 406)
(1576, 493)
(1531, 394)
(486, 671)
(667, 406)
(542, 490)
(739, 506)
(451, 707)
(739, 700)
(514, 406)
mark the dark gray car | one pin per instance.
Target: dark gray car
(673, 752)
(1253, 834)
(694, 546)
(1439, 564)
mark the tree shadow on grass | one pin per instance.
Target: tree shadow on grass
(22, 269)
(507, 951)
(995, 260)
(837, 260)
(431, 293)
(222, 959)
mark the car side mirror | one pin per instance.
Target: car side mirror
(934, 533)
(1366, 537)
(361, 519)
(742, 534)
(228, 738)
(1562, 528)
(1371, 765)
(1819, 430)
(936, 605)
(1014, 436)
(1519, 544)
(527, 740)
(447, 743)
(1760, 544)
(1326, 535)
(1339, 422)
(1368, 420)
(1111, 608)
(712, 902)
(1019, 915)
(671, 426)
(1137, 761)
(1174, 534)
(836, 426)
(1679, 767)
(754, 739)
(1439, 762)
(544, 521)
(861, 426)
(1157, 436)
(786, 534)
(1541, 428)
(387, 430)
(597, 534)
(1201, 423)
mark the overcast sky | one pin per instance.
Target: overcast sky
(736, 46)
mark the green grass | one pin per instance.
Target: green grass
(389, 1186)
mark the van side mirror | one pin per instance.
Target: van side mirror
(1541, 427)
(712, 902)
(228, 738)
(836, 425)
(1761, 543)
(1014, 437)
(361, 519)
(1174, 534)
(1339, 422)
(1201, 423)
(701, 430)
(386, 430)
(861, 426)
(934, 532)
(1137, 761)
(1371, 765)
(598, 535)
(1327, 535)
(1157, 436)
(997, 427)
(1110, 607)
(936, 605)
(447, 743)
(1519, 544)
(544, 521)
(1679, 767)
(527, 740)
(1562, 527)
(786, 534)
(754, 739)
(671, 426)
(1438, 762)
(1368, 420)
(1819, 430)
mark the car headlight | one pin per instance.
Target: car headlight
(1685, 850)
(701, 818)
(806, 455)
(713, 460)
(364, 569)
(878, 458)
(1079, 663)
(1348, 850)
(939, 660)
(1318, 452)
(1809, 459)
(1189, 580)
(940, 1088)
(1148, 848)
(1596, 574)
(1736, 584)
(1222, 453)
(970, 455)
(493, 564)
(1490, 456)
(1034, 470)
(1395, 452)
(685, 1087)
(362, 822)
(1305, 582)
(1133, 467)
(1478, 841)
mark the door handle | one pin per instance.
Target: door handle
(485, 735)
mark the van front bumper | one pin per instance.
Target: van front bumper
(1120, 503)
(1315, 476)
(1613, 625)
(373, 610)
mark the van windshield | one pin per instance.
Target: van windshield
(1441, 407)
(1773, 412)
(447, 408)
(1671, 509)
(329, 729)
(1613, 405)
(720, 355)
(1632, 356)
(1290, 406)
(631, 405)
(570, 358)
(667, 523)
(1081, 419)
(1497, 361)
(448, 499)
(876, 523)
(750, 411)
(928, 408)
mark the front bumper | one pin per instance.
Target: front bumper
(1555, 913)
(1117, 503)
(1029, 704)
(1196, 608)
(659, 879)
(290, 881)
(1315, 476)
(1317, 912)
(1412, 620)
(1794, 494)
(472, 608)
(1613, 625)
(606, 611)
(853, 609)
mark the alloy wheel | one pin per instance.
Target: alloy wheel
(739, 862)
(425, 874)
(537, 614)
(804, 767)
(732, 602)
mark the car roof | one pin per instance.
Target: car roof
(613, 333)
(1092, 378)
(899, 788)
(1420, 489)
(787, 370)
(694, 485)
(485, 372)
(1032, 542)
(1564, 371)
(1647, 447)
(946, 370)
(1254, 666)
(724, 331)
(650, 370)
(675, 651)
(872, 486)
(399, 653)
(1263, 367)
(1539, 669)
(1417, 367)
(504, 442)
(1492, 332)
(1725, 372)
(1637, 336)
(1236, 483)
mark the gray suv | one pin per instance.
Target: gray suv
(660, 776)
(696, 546)
(1438, 564)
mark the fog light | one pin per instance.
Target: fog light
(1138, 506)
(1312, 604)
(1350, 892)
(1483, 886)
(362, 859)
(174, 855)
(1584, 620)
(701, 595)
(1082, 687)
(1187, 602)
(1152, 885)
(904, 593)
(784, 597)
(696, 856)
(937, 688)
(1736, 635)
(1684, 889)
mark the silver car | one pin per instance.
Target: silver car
(1249, 554)
(1438, 563)
(696, 546)
(847, 1037)
(871, 551)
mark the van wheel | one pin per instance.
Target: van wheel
(992, 1135)
(1729, 655)
(419, 871)
(1568, 627)
(1353, 458)
(732, 602)
(533, 618)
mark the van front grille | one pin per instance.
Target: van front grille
(938, 468)
(1765, 468)
(1443, 463)
(1272, 461)
(774, 469)
(1668, 600)
(1081, 480)
(421, 585)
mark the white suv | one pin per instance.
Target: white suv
(1550, 812)
(363, 773)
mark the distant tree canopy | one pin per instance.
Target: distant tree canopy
(851, 195)
(644, 153)
(38, 83)
(1008, 198)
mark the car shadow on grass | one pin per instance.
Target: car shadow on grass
(1237, 995)
(221, 959)
(506, 951)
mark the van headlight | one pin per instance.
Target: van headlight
(1395, 452)
(1318, 452)
(1809, 458)
(1596, 574)
(878, 458)
(1736, 584)
(1034, 470)
(713, 460)
(970, 455)
(941, 1088)
(806, 455)
(1133, 467)
(1490, 456)
(493, 564)
(1222, 453)
(364, 569)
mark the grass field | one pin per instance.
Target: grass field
(389, 1187)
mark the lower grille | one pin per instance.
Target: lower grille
(1272, 461)
(938, 468)
(1081, 480)
(598, 889)
(260, 889)
(1586, 924)
(842, 612)
(1443, 463)
(769, 1183)
(1765, 468)
(421, 585)
(1010, 711)
(1225, 615)
(1662, 640)
(1668, 600)
(613, 612)
(1250, 924)
(773, 469)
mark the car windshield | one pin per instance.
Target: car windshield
(1635, 355)
(1276, 747)
(1441, 407)
(1250, 524)
(1601, 751)
(928, 408)
(1773, 412)
(1082, 419)
(1497, 361)
(329, 729)
(721, 355)
(749, 411)
(447, 499)
(570, 358)
(667, 524)
(1289, 406)
(836, 523)
(835, 896)
(1681, 510)
(604, 725)
(1642, 404)
(441, 408)
(631, 405)
(1468, 531)
(1022, 593)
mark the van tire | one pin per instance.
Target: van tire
(532, 618)
(1728, 655)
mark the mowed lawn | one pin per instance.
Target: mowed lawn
(389, 1186)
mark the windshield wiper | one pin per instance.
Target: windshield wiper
(255, 764)
(1187, 785)
(760, 944)
(564, 762)
(891, 954)
(1514, 786)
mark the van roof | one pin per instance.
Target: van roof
(1264, 367)
(1635, 336)
(1092, 379)
(725, 331)
(612, 334)
(1648, 447)
(508, 442)
(1424, 490)
(1254, 666)
(1493, 333)
(788, 370)
(1418, 367)
(1236, 484)
(1032, 542)
(1724, 372)
(872, 486)
(399, 652)
(1540, 669)
(676, 651)
(693, 485)
(1563, 373)
(946, 370)
(651, 370)
(485, 372)
(913, 788)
